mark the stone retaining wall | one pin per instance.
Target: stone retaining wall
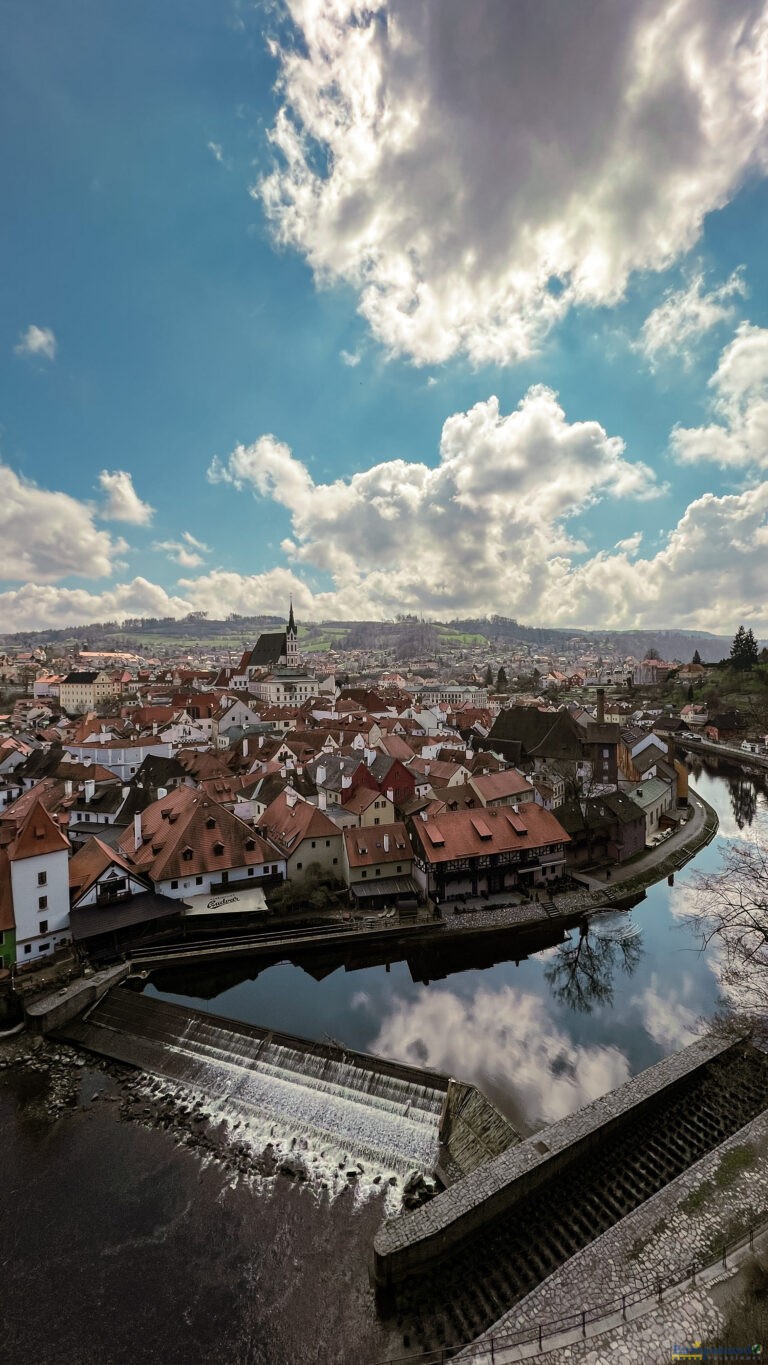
(431, 1233)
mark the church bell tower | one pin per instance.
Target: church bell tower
(291, 641)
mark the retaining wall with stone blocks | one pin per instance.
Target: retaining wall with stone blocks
(429, 1234)
(662, 1237)
(51, 1011)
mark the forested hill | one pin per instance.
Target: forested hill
(407, 637)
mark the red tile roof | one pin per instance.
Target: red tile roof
(186, 834)
(287, 826)
(381, 844)
(468, 834)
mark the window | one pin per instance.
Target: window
(27, 947)
(376, 820)
(378, 871)
(399, 867)
(43, 926)
(42, 878)
(313, 844)
(43, 947)
(299, 867)
(327, 843)
(198, 881)
(250, 871)
(174, 885)
(364, 873)
(42, 902)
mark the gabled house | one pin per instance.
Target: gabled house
(301, 834)
(34, 881)
(377, 866)
(189, 845)
(485, 852)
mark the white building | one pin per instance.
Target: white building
(34, 879)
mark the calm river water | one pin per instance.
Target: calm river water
(542, 1037)
(118, 1245)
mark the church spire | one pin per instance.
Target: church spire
(291, 622)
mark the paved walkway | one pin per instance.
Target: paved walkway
(687, 839)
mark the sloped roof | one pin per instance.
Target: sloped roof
(500, 786)
(90, 861)
(268, 650)
(287, 826)
(366, 847)
(35, 832)
(467, 833)
(545, 734)
(187, 834)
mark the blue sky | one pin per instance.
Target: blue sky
(397, 307)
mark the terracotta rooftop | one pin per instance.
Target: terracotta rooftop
(381, 844)
(469, 833)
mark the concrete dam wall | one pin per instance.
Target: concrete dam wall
(289, 1088)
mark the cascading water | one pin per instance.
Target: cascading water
(327, 1107)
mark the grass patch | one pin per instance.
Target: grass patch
(640, 1243)
(698, 1197)
(732, 1163)
(729, 1232)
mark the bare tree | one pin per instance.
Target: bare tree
(730, 913)
(581, 973)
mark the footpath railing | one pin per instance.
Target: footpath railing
(502, 1348)
(276, 938)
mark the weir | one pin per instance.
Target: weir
(286, 1087)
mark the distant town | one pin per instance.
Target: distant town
(350, 770)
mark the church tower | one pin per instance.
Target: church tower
(291, 641)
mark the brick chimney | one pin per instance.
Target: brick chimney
(600, 705)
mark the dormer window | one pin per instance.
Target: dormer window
(250, 845)
(210, 823)
(186, 854)
(218, 848)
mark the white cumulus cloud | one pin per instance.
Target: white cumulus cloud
(505, 1041)
(188, 552)
(39, 605)
(740, 401)
(684, 315)
(487, 529)
(37, 341)
(122, 502)
(48, 535)
(475, 170)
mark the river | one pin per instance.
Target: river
(118, 1245)
(541, 1037)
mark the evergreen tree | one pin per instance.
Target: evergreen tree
(501, 680)
(696, 657)
(743, 650)
(488, 679)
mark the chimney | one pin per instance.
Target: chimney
(137, 831)
(291, 797)
(321, 800)
(320, 774)
(386, 843)
(89, 789)
(245, 748)
(600, 705)
(68, 787)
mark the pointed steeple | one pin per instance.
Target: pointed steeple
(292, 641)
